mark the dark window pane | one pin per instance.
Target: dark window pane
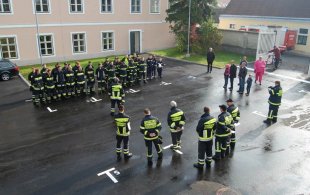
(82, 48)
(42, 45)
(48, 38)
(82, 43)
(38, 8)
(72, 1)
(45, 8)
(12, 48)
(11, 40)
(75, 36)
(49, 45)
(13, 55)
(75, 43)
(50, 51)
(41, 38)
(6, 8)
(5, 48)
(43, 51)
(3, 41)
(303, 31)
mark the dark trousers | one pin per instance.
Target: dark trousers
(70, 89)
(176, 139)
(142, 76)
(90, 87)
(149, 72)
(241, 84)
(101, 85)
(51, 93)
(113, 102)
(159, 71)
(80, 88)
(248, 89)
(210, 66)
(125, 141)
(61, 90)
(153, 71)
(276, 63)
(226, 77)
(232, 82)
(232, 140)
(273, 112)
(149, 147)
(220, 146)
(205, 150)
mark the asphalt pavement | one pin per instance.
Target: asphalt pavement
(61, 152)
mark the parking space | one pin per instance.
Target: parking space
(62, 152)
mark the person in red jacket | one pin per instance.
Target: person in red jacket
(277, 56)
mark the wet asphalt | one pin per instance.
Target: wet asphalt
(62, 152)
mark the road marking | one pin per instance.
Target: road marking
(132, 91)
(178, 151)
(28, 100)
(191, 77)
(166, 147)
(164, 83)
(303, 91)
(49, 109)
(108, 173)
(259, 114)
(92, 99)
(237, 124)
(283, 76)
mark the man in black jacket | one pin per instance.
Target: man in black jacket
(274, 102)
(242, 74)
(210, 59)
(233, 74)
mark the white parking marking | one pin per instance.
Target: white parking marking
(28, 100)
(164, 83)
(166, 147)
(132, 91)
(178, 151)
(303, 91)
(108, 173)
(95, 100)
(51, 110)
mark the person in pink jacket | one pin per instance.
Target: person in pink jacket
(259, 69)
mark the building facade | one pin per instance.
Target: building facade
(60, 30)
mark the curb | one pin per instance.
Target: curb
(25, 80)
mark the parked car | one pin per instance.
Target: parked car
(8, 69)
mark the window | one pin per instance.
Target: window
(42, 6)
(154, 6)
(8, 48)
(5, 6)
(46, 45)
(4, 64)
(302, 36)
(76, 6)
(106, 6)
(135, 6)
(107, 41)
(232, 26)
(79, 42)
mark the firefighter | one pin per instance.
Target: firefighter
(80, 81)
(142, 70)
(150, 128)
(90, 79)
(65, 68)
(149, 63)
(123, 74)
(55, 70)
(100, 74)
(38, 88)
(274, 101)
(159, 66)
(235, 114)
(70, 81)
(30, 78)
(117, 95)
(122, 134)
(43, 70)
(49, 85)
(131, 72)
(176, 121)
(111, 73)
(117, 64)
(153, 67)
(205, 130)
(76, 67)
(60, 82)
(222, 132)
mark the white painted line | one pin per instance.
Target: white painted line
(28, 100)
(49, 109)
(283, 76)
(92, 99)
(259, 114)
(178, 151)
(164, 83)
(166, 147)
(303, 91)
(108, 173)
(25, 80)
(237, 124)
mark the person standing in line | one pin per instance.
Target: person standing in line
(233, 74)
(226, 75)
(117, 95)
(274, 101)
(249, 82)
(259, 69)
(242, 75)
(160, 64)
(210, 59)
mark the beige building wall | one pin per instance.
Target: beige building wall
(155, 33)
(290, 24)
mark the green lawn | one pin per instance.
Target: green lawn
(221, 57)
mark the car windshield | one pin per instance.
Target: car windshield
(6, 64)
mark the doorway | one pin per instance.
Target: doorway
(135, 41)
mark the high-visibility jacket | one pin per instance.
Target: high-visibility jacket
(60, 78)
(90, 74)
(234, 112)
(122, 124)
(70, 80)
(37, 82)
(123, 70)
(206, 127)
(49, 82)
(116, 92)
(224, 122)
(80, 77)
(149, 125)
(142, 66)
(275, 95)
(176, 119)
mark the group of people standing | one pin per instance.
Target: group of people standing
(67, 81)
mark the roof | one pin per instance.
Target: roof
(273, 8)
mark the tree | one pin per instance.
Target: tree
(201, 10)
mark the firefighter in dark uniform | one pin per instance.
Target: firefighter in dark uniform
(235, 114)
(131, 72)
(117, 95)
(80, 81)
(122, 122)
(222, 133)
(117, 63)
(65, 68)
(159, 65)
(70, 81)
(38, 88)
(153, 67)
(76, 67)
(123, 73)
(100, 74)
(60, 83)
(110, 73)
(90, 79)
(142, 70)
(30, 79)
(274, 102)
(150, 128)
(176, 121)
(43, 70)
(55, 70)
(49, 85)
(149, 62)
(205, 129)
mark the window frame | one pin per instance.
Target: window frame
(39, 44)
(159, 7)
(72, 45)
(113, 41)
(35, 9)
(130, 7)
(11, 8)
(305, 35)
(100, 7)
(16, 45)
(81, 12)
(234, 26)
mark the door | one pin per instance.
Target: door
(135, 44)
